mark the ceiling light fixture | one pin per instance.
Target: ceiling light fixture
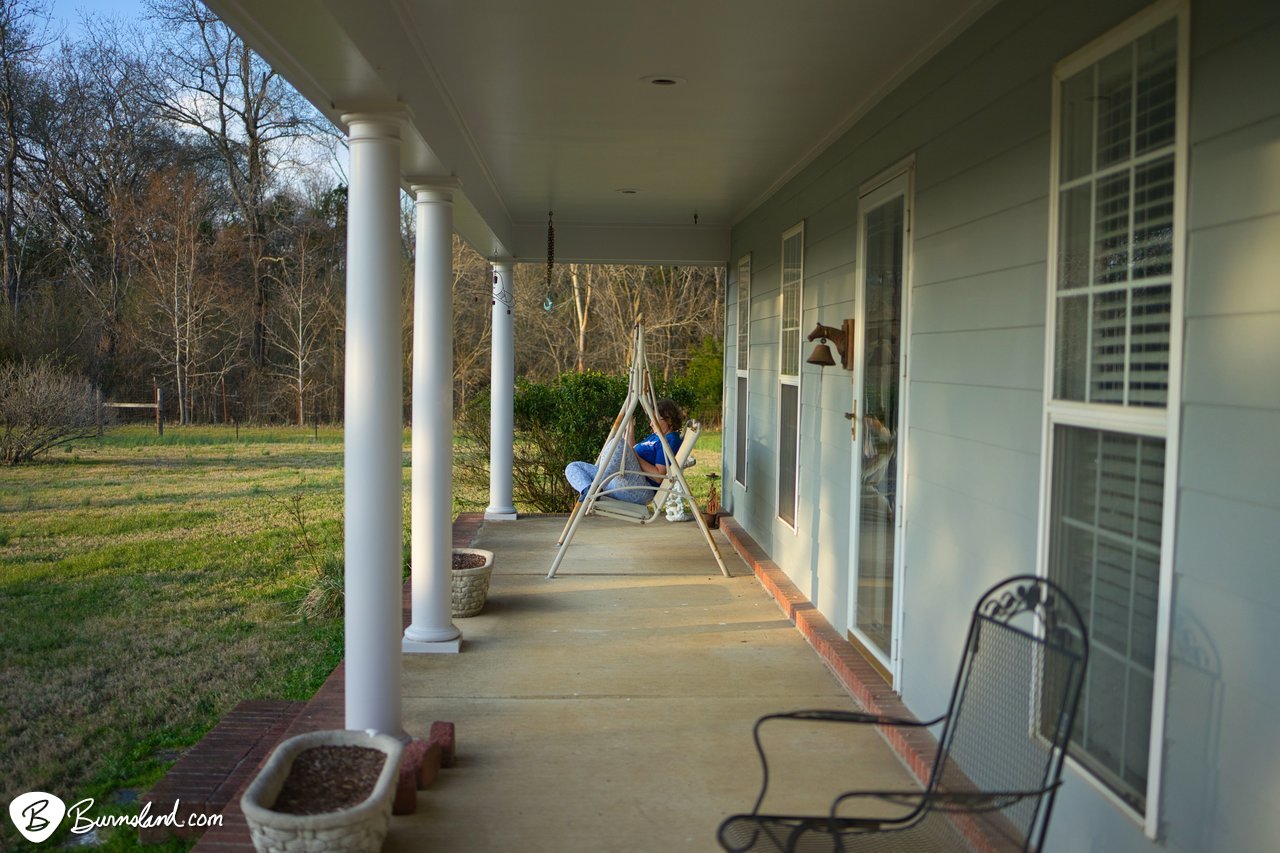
(663, 80)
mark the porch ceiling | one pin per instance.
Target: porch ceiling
(548, 105)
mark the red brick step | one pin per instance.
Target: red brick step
(209, 774)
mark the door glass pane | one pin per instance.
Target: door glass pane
(878, 502)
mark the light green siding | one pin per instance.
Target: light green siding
(977, 120)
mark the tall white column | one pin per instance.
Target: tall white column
(501, 394)
(373, 406)
(431, 513)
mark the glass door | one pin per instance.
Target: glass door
(878, 403)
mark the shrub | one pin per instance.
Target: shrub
(325, 581)
(41, 408)
(705, 376)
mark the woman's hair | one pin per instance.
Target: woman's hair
(668, 410)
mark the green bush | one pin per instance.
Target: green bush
(558, 422)
(705, 377)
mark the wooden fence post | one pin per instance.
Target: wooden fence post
(159, 410)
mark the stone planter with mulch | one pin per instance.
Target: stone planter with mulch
(324, 792)
(472, 568)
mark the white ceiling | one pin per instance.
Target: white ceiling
(540, 105)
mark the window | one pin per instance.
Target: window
(744, 329)
(789, 373)
(1111, 401)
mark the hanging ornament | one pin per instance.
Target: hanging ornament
(551, 249)
(547, 304)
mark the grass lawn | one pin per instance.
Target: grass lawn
(149, 584)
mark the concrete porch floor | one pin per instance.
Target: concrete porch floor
(611, 708)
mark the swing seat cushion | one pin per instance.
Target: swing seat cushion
(614, 508)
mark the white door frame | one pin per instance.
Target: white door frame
(897, 180)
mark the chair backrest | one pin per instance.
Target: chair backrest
(1014, 703)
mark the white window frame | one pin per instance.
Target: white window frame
(794, 231)
(742, 358)
(1140, 421)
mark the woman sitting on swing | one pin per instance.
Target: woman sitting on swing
(643, 465)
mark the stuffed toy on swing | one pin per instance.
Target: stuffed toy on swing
(634, 485)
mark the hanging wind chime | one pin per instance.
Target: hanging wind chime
(547, 304)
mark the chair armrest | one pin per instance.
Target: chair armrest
(823, 716)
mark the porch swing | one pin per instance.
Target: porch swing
(597, 500)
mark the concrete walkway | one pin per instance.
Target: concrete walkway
(610, 709)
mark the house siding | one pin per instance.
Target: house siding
(977, 120)
(1221, 781)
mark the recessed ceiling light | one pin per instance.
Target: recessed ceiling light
(663, 80)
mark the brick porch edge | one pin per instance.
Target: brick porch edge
(325, 711)
(916, 747)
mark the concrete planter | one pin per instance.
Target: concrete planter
(471, 586)
(358, 829)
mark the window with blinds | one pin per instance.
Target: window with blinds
(1118, 156)
(792, 273)
(1115, 225)
(1105, 551)
(789, 373)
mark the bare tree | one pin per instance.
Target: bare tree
(580, 275)
(99, 143)
(544, 337)
(214, 84)
(304, 279)
(473, 300)
(20, 48)
(192, 329)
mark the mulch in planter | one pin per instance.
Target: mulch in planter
(329, 778)
(468, 561)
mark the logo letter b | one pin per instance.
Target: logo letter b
(37, 815)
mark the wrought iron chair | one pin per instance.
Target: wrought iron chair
(1000, 751)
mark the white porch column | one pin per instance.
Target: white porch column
(431, 512)
(501, 394)
(373, 406)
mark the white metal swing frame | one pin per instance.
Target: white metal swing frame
(597, 500)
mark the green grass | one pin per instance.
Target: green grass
(149, 584)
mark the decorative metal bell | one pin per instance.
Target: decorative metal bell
(821, 356)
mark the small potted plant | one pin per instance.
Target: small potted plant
(324, 792)
(472, 568)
